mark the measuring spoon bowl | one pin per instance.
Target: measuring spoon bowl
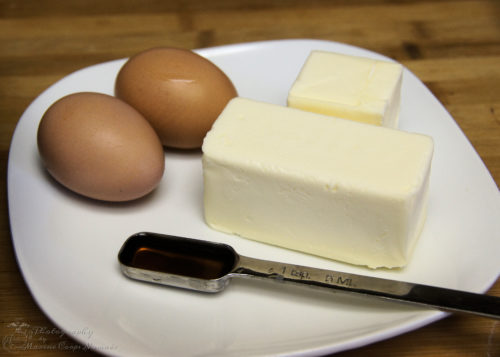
(174, 261)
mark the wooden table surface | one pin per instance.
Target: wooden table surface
(453, 46)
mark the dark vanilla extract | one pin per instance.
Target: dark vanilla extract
(169, 255)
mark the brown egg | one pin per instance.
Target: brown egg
(180, 92)
(100, 147)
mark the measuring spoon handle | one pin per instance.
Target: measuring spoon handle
(425, 295)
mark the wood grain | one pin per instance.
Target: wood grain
(453, 46)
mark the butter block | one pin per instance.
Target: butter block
(350, 87)
(318, 184)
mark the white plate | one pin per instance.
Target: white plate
(67, 245)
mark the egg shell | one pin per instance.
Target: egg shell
(180, 92)
(100, 147)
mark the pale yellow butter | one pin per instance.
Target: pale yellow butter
(318, 184)
(350, 87)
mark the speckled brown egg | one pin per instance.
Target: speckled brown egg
(100, 147)
(178, 91)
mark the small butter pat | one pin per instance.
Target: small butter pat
(349, 87)
(317, 184)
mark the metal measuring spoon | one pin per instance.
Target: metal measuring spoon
(206, 266)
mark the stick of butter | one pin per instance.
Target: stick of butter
(318, 184)
(349, 87)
